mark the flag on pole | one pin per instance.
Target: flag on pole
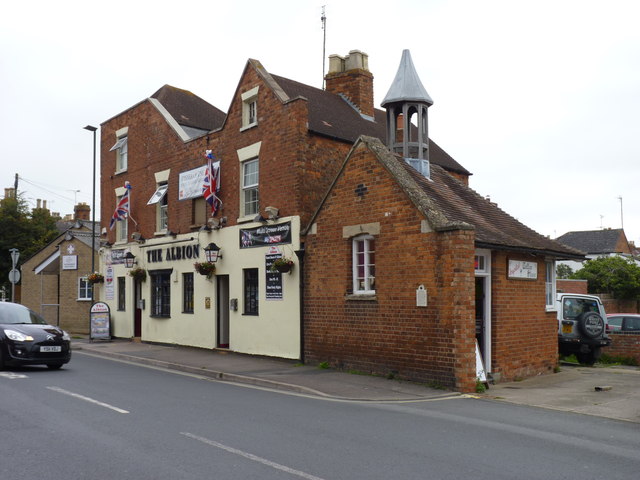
(122, 209)
(211, 184)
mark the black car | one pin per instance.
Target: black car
(27, 339)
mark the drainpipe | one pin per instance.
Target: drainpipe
(300, 255)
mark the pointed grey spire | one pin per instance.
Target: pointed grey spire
(407, 85)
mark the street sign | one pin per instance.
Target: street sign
(14, 276)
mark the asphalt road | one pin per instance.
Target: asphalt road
(103, 419)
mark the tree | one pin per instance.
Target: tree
(615, 275)
(27, 231)
(563, 271)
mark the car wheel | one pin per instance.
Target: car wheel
(54, 366)
(591, 324)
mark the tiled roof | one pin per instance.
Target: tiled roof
(331, 116)
(593, 241)
(448, 203)
(188, 109)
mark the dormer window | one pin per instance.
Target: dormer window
(249, 108)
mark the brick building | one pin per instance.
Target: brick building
(281, 147)
(54, 280)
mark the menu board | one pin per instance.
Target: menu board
(100, 322)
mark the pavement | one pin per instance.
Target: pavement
(611, 392)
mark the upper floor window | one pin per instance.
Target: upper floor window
(121, 226)
(364, 265)
(250, 197)
(122, 152)
(159, 198)
(250, 108)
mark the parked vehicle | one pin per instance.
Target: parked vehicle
(582, 326)
(27, 339)
(623, 322)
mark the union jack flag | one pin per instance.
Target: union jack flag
(211, 185)
(122, 209)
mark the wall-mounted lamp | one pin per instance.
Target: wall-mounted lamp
(129, 260)
(172, 233)
(137, 236)
(259, 218)
(205, 228)
(212, 252)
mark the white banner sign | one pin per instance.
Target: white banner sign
(190, 182)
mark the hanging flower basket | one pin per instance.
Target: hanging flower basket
(205, 268)
(138, 274)
(95, 277)
(282, 265)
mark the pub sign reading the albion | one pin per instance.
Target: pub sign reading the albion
(265, 235)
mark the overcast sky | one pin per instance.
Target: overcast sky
(540, 99)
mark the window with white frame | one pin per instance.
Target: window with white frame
(550, 285)
(85, 289)
(250, 108)
(160, 199)
(364, 265)
(250, 195)
(122, 225)
(122, 152)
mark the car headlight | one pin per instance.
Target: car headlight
(66, 336)
(17, 336)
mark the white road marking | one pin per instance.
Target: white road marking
(250, 456)
(87, 399)
(12, 375)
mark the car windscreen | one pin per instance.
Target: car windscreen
(9, 314)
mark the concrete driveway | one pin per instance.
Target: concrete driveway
(604, 391)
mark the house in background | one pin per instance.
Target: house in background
(598, 243)
(398, 266)
(54, 280)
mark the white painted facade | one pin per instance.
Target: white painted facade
(274, 331)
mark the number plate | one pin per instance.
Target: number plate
(47, 349)
(567, 328)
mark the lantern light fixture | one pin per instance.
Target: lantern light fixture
(129, 260)
(212, 252)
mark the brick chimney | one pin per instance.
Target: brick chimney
(81, 212)
(350, 76)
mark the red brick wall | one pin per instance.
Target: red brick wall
(295, 168)
(389, 334)
(571, 286)
(624, 345)
(524, 335)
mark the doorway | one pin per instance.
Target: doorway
(222, 311)
(137, 308)
(483, 305)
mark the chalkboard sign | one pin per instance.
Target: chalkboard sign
(100, 322)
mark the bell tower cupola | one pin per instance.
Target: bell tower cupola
(406, 104)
